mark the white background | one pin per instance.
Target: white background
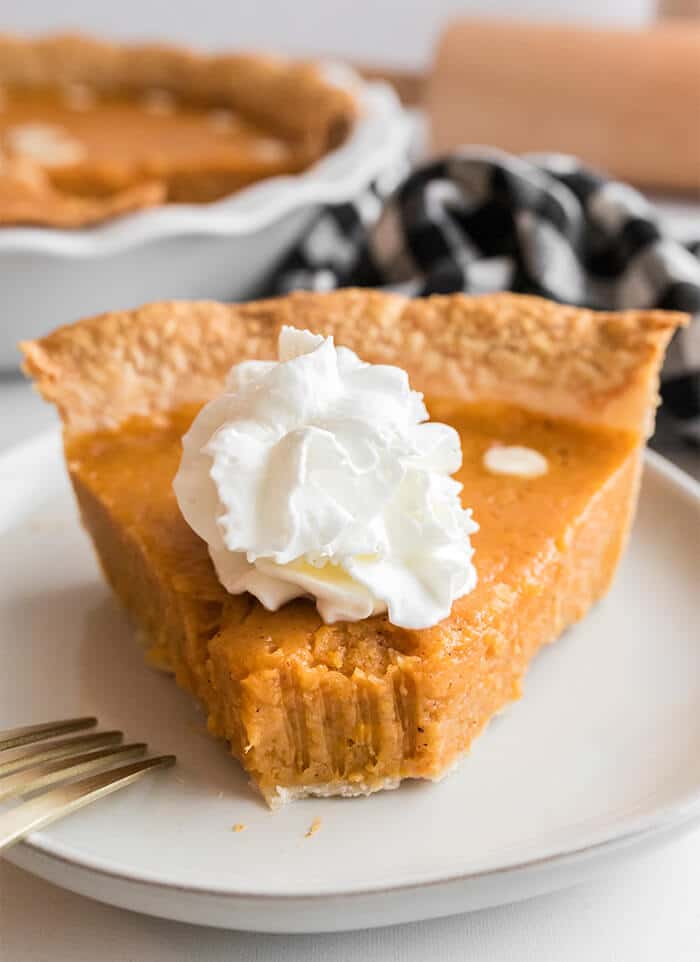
(399, 32)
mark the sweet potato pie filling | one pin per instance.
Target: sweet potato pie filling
(306, 705)
(94, 147)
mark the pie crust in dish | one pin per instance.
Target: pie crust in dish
(90, 130)
(350, 708)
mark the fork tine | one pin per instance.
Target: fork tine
(13, 758)
(48, 773)
(35, 733)
(47, 808)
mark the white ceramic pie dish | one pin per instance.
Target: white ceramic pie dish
(222, 250)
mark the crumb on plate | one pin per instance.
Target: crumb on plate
(314, 827)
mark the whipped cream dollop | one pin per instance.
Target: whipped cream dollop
(320, 475)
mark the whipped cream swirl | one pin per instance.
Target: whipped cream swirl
(320, 476)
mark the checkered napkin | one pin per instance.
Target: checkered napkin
(481, 220)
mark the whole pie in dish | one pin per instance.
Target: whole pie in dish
(89, 130)
(348, 708)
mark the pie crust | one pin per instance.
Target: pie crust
(596, 367)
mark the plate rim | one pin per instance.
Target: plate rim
(677, 817)
(680, 815)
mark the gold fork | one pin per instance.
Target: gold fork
(30, 763)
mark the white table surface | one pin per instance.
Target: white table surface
(649, 911)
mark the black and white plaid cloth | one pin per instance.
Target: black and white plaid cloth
(481, 220)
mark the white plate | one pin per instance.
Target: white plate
(600, 759)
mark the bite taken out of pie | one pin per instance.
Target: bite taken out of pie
(90, 129)
(552, 405)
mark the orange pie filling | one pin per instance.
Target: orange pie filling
(94, 145)
(350, 707)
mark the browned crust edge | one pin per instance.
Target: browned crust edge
(596, 367)
(293, 99)
(27, 196)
